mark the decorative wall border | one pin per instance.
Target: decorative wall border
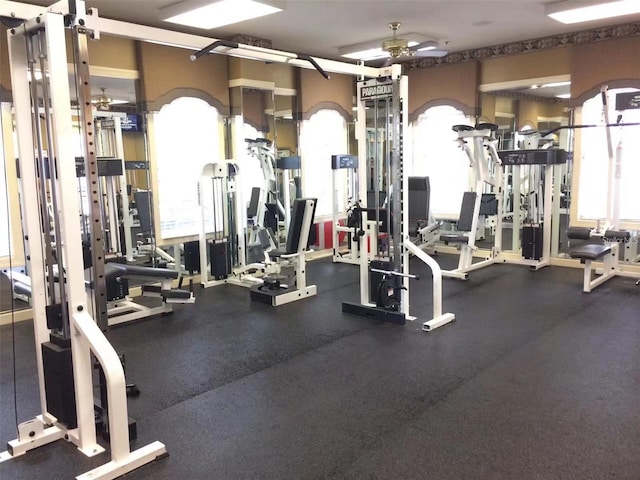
(526, 46)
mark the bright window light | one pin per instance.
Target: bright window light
(433, 141)
(218, 14)
(594, 161)
(375, 53)
(186, 138)
(575, 12)
(564, 95)
(323, 135)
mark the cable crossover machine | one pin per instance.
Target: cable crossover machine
(382, 204)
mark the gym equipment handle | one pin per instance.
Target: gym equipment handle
(395, 274)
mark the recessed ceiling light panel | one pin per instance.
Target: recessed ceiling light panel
(208, 15)
(588, 10)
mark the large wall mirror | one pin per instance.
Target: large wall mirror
(264, 137)
(119, 137)
(519, 111)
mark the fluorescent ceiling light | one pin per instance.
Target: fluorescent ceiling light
(215, 14)
(564, 95)
(426, 47)
(585, 11)
(373, 53)
(550, 85)
(555, 84)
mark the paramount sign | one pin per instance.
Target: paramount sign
(377, 91)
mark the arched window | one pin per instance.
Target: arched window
(594, 161)
(323, 135)
(436, 154)
(185, 137)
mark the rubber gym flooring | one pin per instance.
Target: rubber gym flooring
(534, 381)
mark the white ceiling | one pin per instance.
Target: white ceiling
(320, 27)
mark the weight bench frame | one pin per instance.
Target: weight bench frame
(610, 268)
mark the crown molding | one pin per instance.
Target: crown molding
(527, 46)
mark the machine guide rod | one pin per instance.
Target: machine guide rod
(393, 273)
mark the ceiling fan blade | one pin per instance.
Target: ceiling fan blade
(431, 53)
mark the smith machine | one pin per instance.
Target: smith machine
(69, 323)
(384, 272)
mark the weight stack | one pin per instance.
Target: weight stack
(220, 260)
(532, 242)
(58, 383)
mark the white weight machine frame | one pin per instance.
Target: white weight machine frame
(109, 143)
(482, 141)
(243, 274)
(338, 181)
(610, 250)
(85, 335)
(401, 240)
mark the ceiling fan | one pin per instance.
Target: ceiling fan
(103, 101)
(400, 47)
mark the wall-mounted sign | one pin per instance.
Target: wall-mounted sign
(627, 101)
(130, 123)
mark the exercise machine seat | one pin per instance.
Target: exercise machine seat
(294, 235)
(453, 238)
(462, 128)
(487, 126)
(590, 251)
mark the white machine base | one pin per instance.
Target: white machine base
(276, 299)
(438, 322)
(134, 460)
(34, 433)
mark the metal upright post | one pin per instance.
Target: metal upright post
(96, 228)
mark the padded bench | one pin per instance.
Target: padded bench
(590, 252)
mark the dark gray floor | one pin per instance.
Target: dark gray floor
(535, 380)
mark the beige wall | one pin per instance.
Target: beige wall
(279, 74)
(113, 52)
(455, 85)
(5, 74)
(613, 62)
(527, 114)
(544, 63)
(168, 73)
(315, 92)
(488, 107)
